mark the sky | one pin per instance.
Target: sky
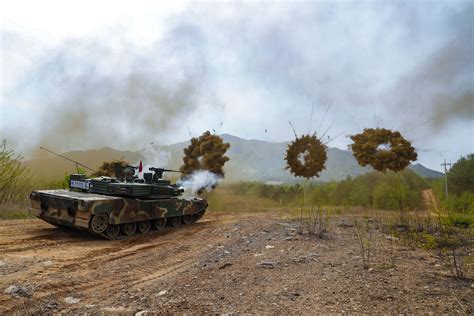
(82, 75)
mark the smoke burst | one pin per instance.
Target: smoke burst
(205, 153)
(199, 181)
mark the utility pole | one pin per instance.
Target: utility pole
(446, 176)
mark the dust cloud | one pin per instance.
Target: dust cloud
(93, 95)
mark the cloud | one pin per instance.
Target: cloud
(254, 67)
(367, 59)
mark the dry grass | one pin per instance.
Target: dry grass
(15, 211)
(222, 199)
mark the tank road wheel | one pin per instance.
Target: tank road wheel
(175, 221)
(187, 219)
(129, 228)
(160, 224)
(112, 230)
(144, 227)
(100, 222)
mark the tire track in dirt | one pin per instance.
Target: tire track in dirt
(141, 270)
(100, 271)
(90, 267)
(429, 200)
(214, 266)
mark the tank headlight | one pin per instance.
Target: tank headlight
(71, 210)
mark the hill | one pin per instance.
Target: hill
(251, 160)
(425, 172)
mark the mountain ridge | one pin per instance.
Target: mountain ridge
(251, 160)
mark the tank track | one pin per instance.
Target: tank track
(152, 231)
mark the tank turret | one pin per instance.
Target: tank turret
(127, 184)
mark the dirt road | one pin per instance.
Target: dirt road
(247, 262)
(429, 200)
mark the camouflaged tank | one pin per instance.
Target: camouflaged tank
(118, 207)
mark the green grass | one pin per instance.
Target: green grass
(461, 220)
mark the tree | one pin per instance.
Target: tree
(14, 176)
(461, 175)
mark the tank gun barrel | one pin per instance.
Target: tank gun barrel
(164, 170)
(77, 163)
(159, 172)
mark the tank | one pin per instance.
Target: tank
(118, 207)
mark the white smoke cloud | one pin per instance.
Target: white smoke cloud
(198, 181)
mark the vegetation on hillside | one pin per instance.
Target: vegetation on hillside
(392, 191)
(460, 187)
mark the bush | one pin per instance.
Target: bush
(454, 246)
(461, 175)
(380, 190)
(14, 177)
(461, 220)
(312, 220)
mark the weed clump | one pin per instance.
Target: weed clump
(450, 238)
(365, 238)
(313, 221)
(310, 218)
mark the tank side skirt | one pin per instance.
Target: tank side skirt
(135, 210)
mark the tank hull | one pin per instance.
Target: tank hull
(77, 210)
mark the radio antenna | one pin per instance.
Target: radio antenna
(77, 163)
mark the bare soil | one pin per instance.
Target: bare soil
(232, 263)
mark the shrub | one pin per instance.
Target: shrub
(364, 236)
(381, 190)
(14, 177)
(454, 245)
